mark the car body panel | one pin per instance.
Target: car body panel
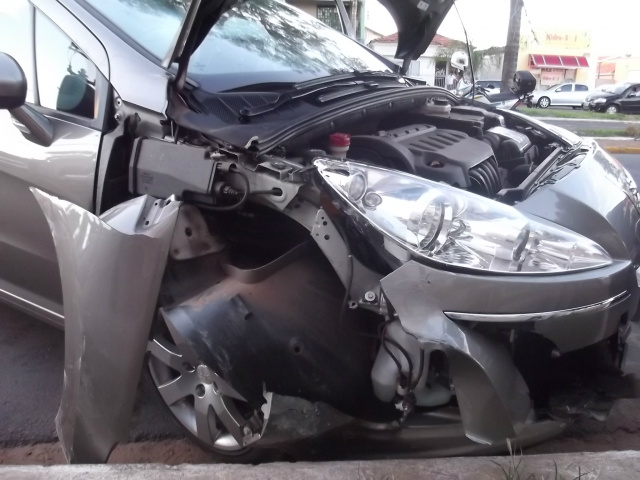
(111, 267)
(67, 169)
(106, 329)
(564, 94)
(627, 101)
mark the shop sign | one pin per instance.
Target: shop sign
(566, 39)
(551, 77)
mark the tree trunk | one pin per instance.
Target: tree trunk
(512, 47)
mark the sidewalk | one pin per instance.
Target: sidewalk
(620, 145)
(603, 466)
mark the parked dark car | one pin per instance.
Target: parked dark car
(295, 241)
(618, 98)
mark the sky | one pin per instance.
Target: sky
(613, 32)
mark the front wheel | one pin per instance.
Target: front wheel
(612, 109)
(206, 406)
(544, 102)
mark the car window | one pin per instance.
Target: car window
(66, 77)
(16, 37)
(582, 88)
(565, 88)
(617, 88)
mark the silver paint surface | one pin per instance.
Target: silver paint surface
(109, 307)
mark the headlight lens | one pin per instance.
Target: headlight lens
(600, 100)
(455, 227)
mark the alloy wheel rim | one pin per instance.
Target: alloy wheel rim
(204, 403)
(612, 109)
(544, 102)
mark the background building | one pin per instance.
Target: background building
(625, 68)
(432, 66)
(555, 56)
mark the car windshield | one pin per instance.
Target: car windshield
(259, 41)
(617, 88)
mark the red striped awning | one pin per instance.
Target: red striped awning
(559, 61)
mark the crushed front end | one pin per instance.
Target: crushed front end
(518, 317)
(468, 280)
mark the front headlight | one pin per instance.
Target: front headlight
(600, 100)
(452, 226)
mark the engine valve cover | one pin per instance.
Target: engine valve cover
(437, 154)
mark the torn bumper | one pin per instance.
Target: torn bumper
(111, 270)
(442, 311)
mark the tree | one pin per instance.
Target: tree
(512, 46)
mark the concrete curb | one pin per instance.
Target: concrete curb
(603, 466)
(621, 145)
(622, 149)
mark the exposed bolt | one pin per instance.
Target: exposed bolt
(118, 102)
(278, 165)
(370, 296)
(247, 431)
(118, 116)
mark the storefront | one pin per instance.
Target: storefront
(552, 69)
(556, 56)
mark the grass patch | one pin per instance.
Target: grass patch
(631, 131)
(552, 113)
(516, 469)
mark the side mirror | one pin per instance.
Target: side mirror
(13, 92)
(523, 83)
(13, 83)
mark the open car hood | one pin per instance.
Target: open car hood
(417, 22)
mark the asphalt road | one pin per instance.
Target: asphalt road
(31, 359)
(32, 354)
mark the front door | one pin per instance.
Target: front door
(562, 95)
(66, 87)
(630, 100)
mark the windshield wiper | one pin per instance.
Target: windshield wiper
(356, 75)
(355, 84)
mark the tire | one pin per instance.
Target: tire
(544, 102)
(577, 108)
(166, 364)
(612, 109)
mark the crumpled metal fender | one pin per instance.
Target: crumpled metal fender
(492, 395)
(111, 270)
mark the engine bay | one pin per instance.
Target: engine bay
(470, 148)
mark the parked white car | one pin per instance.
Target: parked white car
(561, 95)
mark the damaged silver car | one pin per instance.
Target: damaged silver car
(304, 248)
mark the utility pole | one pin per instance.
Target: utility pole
(512, 47)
